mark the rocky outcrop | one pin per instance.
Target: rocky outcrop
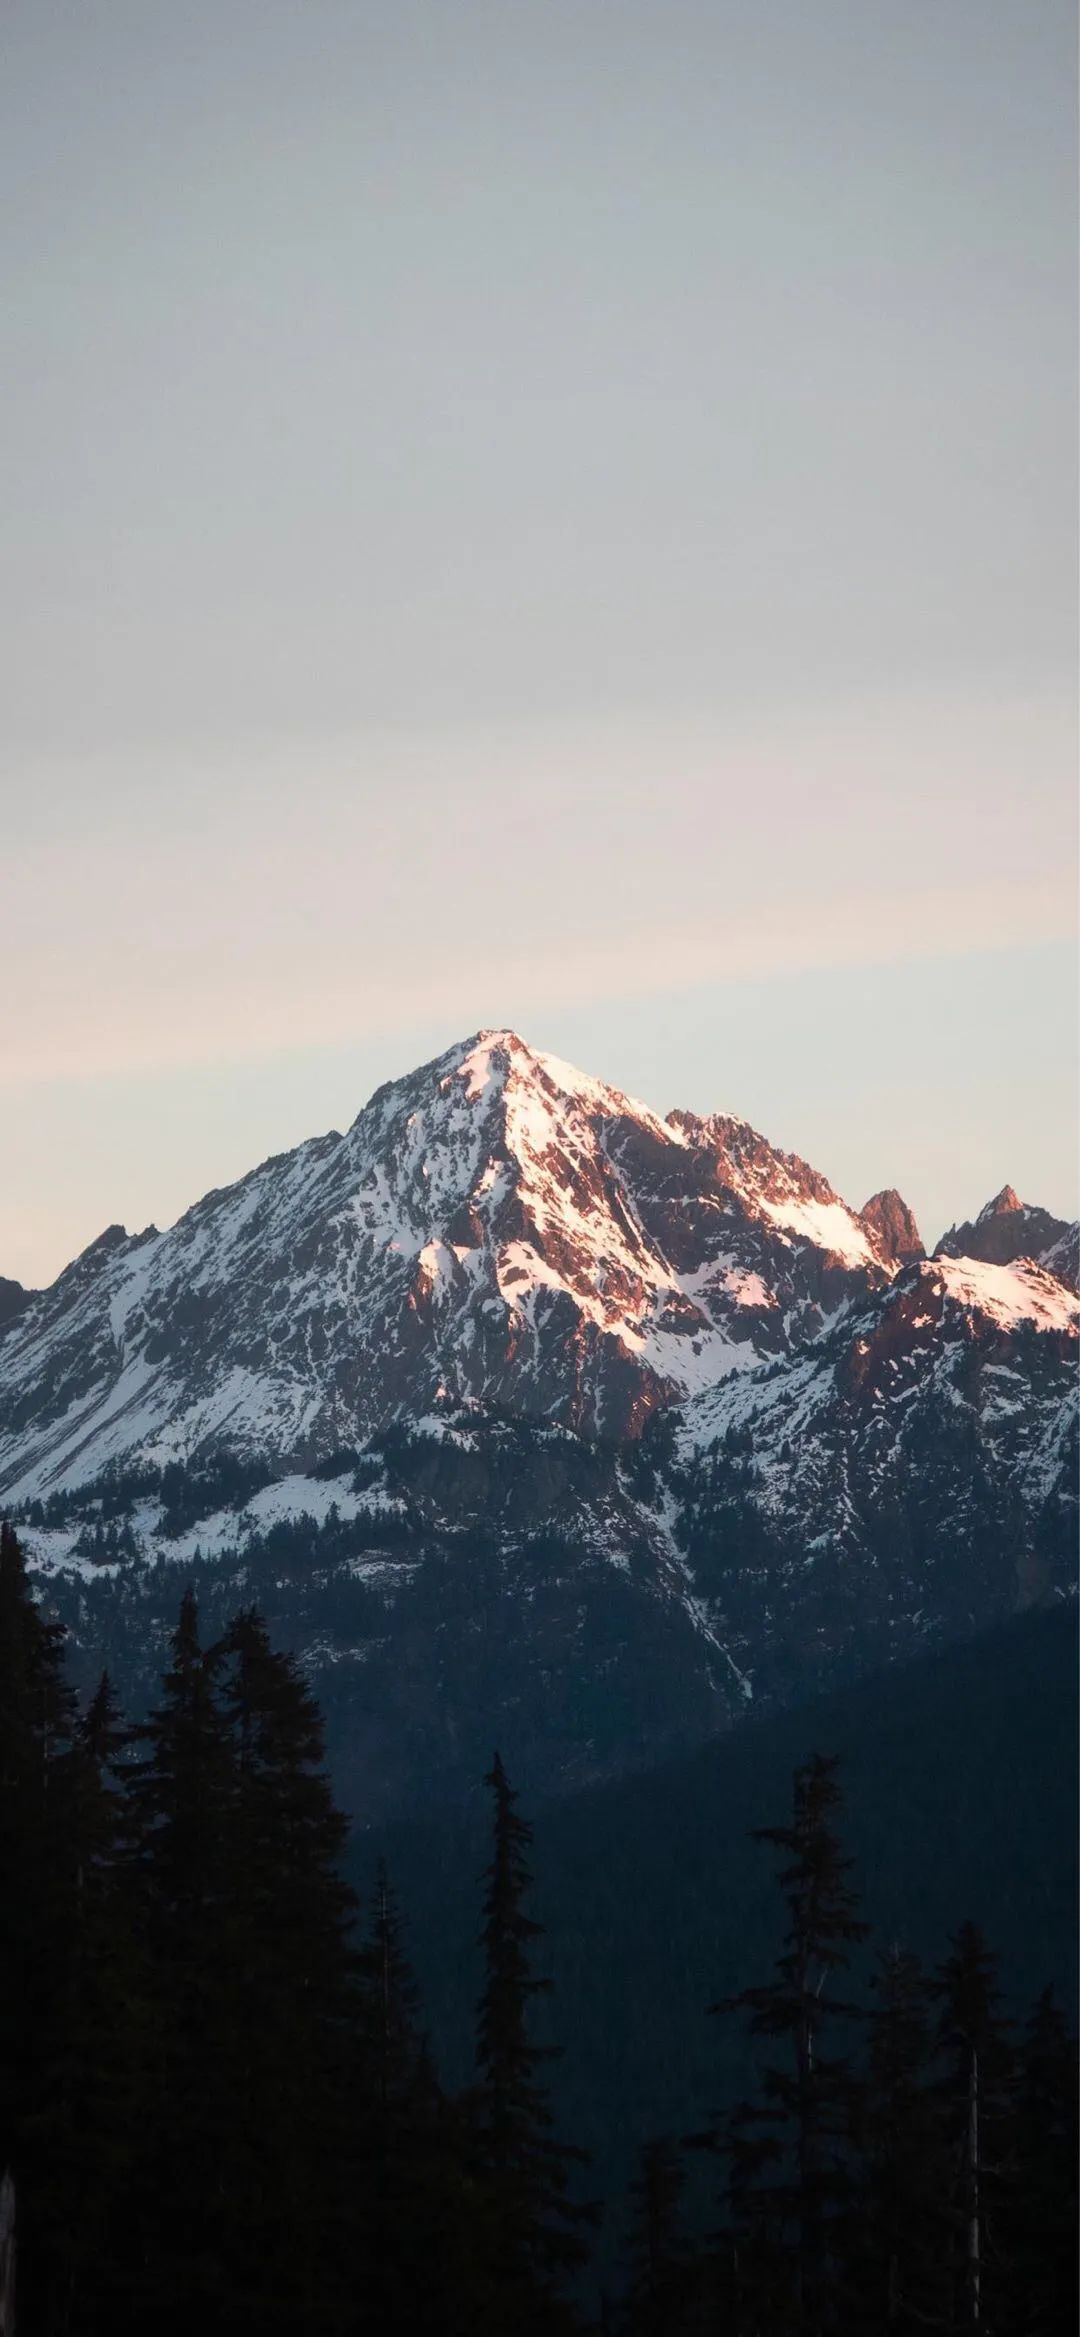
(905, 1479)
(888, 1217)
(13, 1298)
(1008, 1228)
(495, 1227)
(470, 1579)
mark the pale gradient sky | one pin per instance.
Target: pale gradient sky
(557, 512)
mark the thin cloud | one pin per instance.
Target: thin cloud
(186, 1008)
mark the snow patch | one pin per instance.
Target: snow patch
(1019, 1293)
(827, 1224)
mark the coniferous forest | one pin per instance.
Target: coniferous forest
(220, 2110)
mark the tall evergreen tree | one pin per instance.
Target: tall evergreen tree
(975, 2062)
(392, 1999)
(37, 1720)
(797, 2170)
(289, 1977)
(661, 2298)
(897, 2268)
(181, 1794)
(91, 2101)
(417, 2213)
(1042, 2241)
(534, 2229)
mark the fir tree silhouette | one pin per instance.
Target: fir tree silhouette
(534, 2228)
(289, 1981)
(660, 2291)
(898, 2229)
(975, 2059)
(181, 1793)
(790, 2153)
(1043, 2244)
(37, 1723)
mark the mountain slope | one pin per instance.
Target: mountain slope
(496, 1226)
(13, 1298)
(908, 1476)
(666, 1863)
(1007, 1229)
(472, 1402)
(465, 1580)
(469, 1578)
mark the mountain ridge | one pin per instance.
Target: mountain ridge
(1007, 1229)
(493, 1226)
(530, 1418)
(495, 1223)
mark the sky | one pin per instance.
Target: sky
(543, 512)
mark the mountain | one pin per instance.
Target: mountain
(528, 1417)
(910, 1476)
(468, 1578)
(891, 1219)
(496, 1226)
(1008, 1228)
(13, 1298)
(657, 1901)
(465, 1580)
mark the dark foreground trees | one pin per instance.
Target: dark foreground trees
(219, 2110)
(903, 2165)
(805, 2115)
(532, 2236)
(217, 2105)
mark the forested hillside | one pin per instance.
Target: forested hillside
(225, 2102)
(959, 1774)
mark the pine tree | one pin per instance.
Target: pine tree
(534, 2228)
(751, 2267)
(795, 2169)
(1042, 2240)
(293, 2005)
(897, 2266)
(973, 2093)
(37, 1719)
(90, 2099)
(392, 1999)
(181, 1796)
(416, 2218)
(660, 2297)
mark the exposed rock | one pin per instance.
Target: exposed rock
(911, 1475)
(1009, 1228)
(497, 1226)
(470, 1579)
(13, 1298)
(889, 1218)
(415, 1391)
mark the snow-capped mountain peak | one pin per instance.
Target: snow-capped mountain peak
(1003, 1204)
(889, 1218)
(1007, 1228)
(496, 1226)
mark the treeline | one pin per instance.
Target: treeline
(908, 2162)
(219, 2111)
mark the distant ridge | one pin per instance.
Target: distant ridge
(495, 1228)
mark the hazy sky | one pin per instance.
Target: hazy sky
(546, 511)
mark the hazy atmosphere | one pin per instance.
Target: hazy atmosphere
(539, 1254)
(559, 516)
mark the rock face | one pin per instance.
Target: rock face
(468, 1579)
(908, 1476)
(495, 1227)
(888, 1217)
(1009, 1228)
(464, 1581)
(13, 1298)
(530, 1418)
